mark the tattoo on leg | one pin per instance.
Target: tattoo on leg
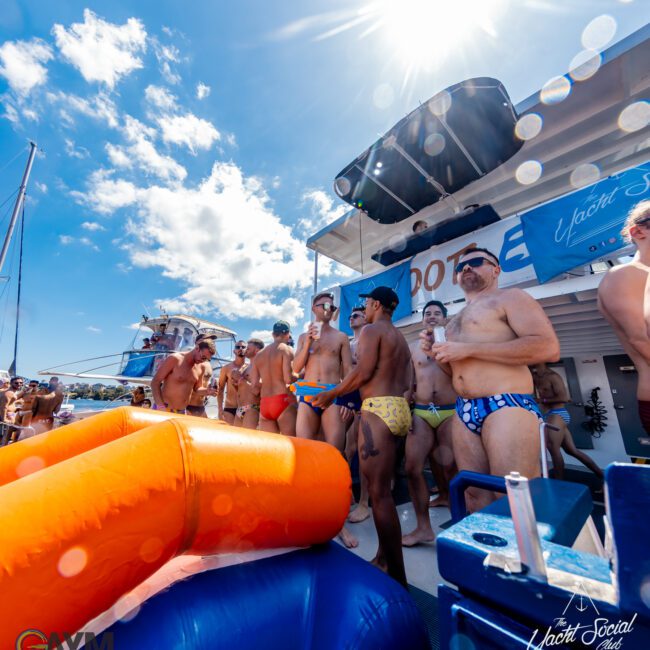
(368, 447)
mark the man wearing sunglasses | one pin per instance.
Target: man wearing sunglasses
(248, 401)
(228, 379)
(324, 354)
(624, 300)
(490, 345)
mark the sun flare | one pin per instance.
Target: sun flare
(424, 33)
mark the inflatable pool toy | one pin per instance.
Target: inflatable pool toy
(79, 534)
(322, 598)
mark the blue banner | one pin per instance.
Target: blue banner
(398, 278)
(583, 226)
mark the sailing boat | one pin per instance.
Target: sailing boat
(18, 207)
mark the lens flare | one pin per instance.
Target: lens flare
(529, 126)
(585, 64)
(529, 172)
(383, 96)
(72, 562)
(434, 144)
(598, 32)
(584, 175)
(634, 117)
(555, 90)
(29, 465)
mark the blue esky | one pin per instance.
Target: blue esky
(188, 149)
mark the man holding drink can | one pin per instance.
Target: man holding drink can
(490, 345)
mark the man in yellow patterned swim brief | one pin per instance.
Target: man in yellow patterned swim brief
(382, 376)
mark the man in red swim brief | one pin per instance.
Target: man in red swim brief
(271, 374)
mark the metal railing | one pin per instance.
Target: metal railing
(8, 428)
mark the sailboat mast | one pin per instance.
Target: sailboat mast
(19, 202)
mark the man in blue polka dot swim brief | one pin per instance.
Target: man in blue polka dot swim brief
(487, 349)
(473, 412)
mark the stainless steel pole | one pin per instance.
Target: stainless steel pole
(19, 202)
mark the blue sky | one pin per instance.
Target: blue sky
(188, 149)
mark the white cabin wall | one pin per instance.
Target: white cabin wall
(609, 448)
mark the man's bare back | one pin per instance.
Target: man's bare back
(391, 375)
(621, 301)
(273, 364)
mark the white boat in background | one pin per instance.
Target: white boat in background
(137, 365)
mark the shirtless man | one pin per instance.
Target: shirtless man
(248, 402)
(180, 374)
(382, 376)
(624, 300)
(271, 376)
(196, 405)
(490, 345)
(553, 395)
(362, 511)
(228, 378)
(24, 415)
(324, 354)
(9, 404)
(434, 406)
(45, 405)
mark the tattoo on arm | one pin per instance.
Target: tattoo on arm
(368, 447)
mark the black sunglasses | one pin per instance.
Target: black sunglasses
(240, 347)
(474, 263)
(355, 316)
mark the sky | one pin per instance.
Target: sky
(187, 150)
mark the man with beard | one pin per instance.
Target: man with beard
(248, 402)
(180, 374)
(490, 345)
(433, 410)
(228, 384)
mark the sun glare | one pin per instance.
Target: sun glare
(424, 33)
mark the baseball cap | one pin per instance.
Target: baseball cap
(384, 295)
(281, 327)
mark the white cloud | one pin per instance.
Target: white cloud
(250, 266)
(75, 152)
(100, 50)
(41, 187)
(160, 97)
(166, 55)
(321, 211)
(264, 335)
(189, 130)
(93, 329)
(202, 90)
(67, 240)
(92, 226)
(21, 63)
(100, 107)
(141, 151)
(107, 194)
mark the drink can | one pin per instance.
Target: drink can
(439, 334)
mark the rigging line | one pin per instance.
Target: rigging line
(106, 356)
(20, 278)
(14, 158)
(11, 196)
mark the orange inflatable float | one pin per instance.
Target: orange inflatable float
(78, 535)
(46, 449)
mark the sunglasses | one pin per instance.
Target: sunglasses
(353, 316)
(240, 347)
(327, 306)
(474, 263)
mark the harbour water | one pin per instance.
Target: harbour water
(95, 404)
